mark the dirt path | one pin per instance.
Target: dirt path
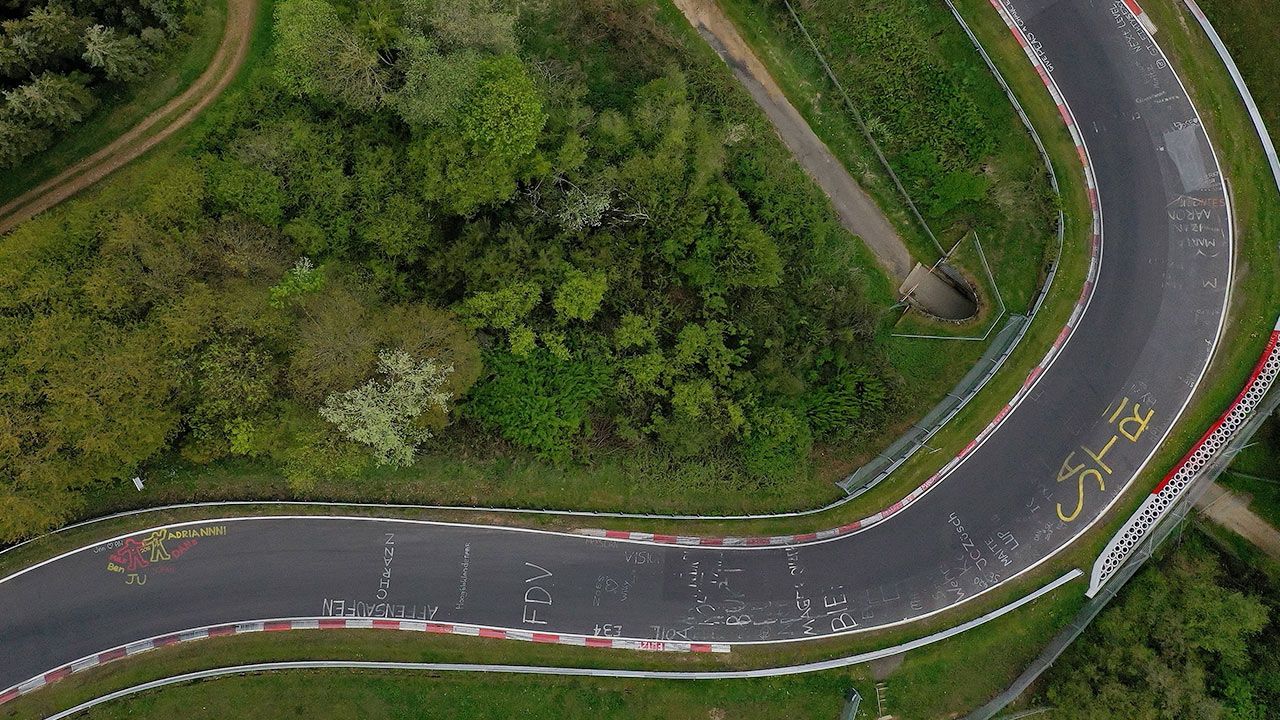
(1232, 512)
(857, 211)
(178, 112)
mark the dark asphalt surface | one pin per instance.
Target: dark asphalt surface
(1145, 339)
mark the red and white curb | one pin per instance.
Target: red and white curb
(1031, 47)
(1143, 18)
(329, 623)
(1176, 482)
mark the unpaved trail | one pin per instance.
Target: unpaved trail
(858, 213)
(226, 62)
(1232, 512)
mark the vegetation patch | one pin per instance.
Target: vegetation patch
(1191, 637)
(583, 245)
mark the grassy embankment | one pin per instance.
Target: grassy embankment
(124, 107)
(1258, 57)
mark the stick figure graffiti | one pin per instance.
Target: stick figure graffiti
(135, 557)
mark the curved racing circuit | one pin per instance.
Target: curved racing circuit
(1055, 462)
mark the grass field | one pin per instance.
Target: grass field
(124, 107)
(1258, 58)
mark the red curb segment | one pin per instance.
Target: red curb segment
(355, 624)
(1253, 376)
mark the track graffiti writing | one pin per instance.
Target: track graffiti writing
(462, 580)
(341, 607)
(979, 561)
(1036, 46)
(1096, 469)
(388, 553)
(535, 595)
(134, 557)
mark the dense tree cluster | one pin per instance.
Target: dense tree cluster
(1187, 640)
(411, 220)
(56, 56)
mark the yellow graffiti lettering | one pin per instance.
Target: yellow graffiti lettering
(1080, 494)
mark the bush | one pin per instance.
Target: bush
(777, 444)
(537, 401)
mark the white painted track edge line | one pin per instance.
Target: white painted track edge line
(1226, 296)
(578, 671)
(361, 518)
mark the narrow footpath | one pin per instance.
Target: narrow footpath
(858, 213)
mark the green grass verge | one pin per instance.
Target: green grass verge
(125, 107)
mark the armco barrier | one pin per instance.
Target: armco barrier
(340, 623)
(1117, 571)
(1255, 116)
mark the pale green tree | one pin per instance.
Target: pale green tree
(316, 54)
(580, 295)
(382, 413)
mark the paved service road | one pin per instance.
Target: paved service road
(1054, 465)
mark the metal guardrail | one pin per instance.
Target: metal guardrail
(1178, 514)
(780, 671)
(1268, 148)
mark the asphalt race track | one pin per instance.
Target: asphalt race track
(1050, 470)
